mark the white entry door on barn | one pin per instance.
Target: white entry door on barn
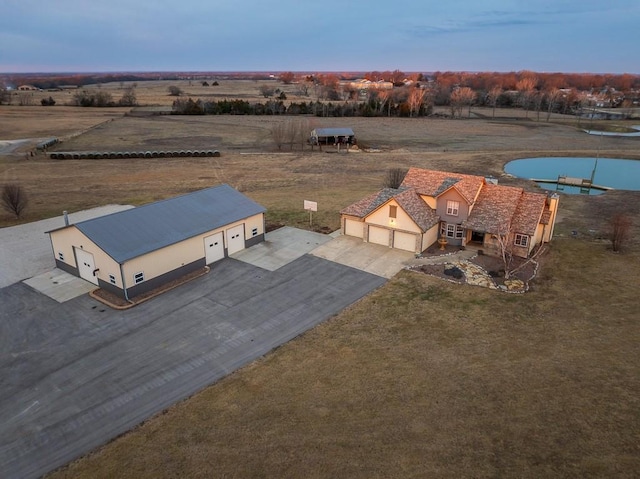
(213, 248)
(235, 239)
(86, 265)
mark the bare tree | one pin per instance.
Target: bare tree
(526, 87)
(266, 90)
(553, 96)
(460, 98)
(303, 131)
(415, 100)
(492, 98)
(384, 97)
(174, 90)
(619, 230)
(287, 77)
(128, 98)
(394, 177)
(279, 134)
(25, 98)
(14, 199)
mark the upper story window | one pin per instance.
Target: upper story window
(453, 207)
(521, 240)
(393, 211)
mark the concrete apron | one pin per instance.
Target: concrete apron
(60, 285)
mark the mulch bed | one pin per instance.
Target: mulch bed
(118, 302)
(491, 264)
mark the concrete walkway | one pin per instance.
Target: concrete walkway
(60, 285)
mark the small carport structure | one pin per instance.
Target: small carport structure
(137, 250)
(333, 136)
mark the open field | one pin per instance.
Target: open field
(422, 378)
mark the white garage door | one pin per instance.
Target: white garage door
(235, 239)
(353, 228)
(378, 235)
(213, 248)
(405, 241)
(86, 265)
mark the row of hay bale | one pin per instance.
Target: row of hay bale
(103, 155)
(44, 144)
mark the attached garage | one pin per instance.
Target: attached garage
(137, 250)
(378, 235)
(405, 241)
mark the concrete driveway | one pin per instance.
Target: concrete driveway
(76, 374)
(25, 250)
(372, 258)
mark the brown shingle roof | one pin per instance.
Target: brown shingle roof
(434, 183)
(366, 205)
(528, 214)
(423, 215)
(408, 199)
(494, 209)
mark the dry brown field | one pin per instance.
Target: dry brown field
(422, 378)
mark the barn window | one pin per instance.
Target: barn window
(112, 279)
(61, 256)
(453, 207)
(138, 277)
(521, 240)
(254, 232)
(393, 211)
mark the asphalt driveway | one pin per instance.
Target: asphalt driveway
(74, 375)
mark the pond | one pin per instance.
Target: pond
(609, 173)
(615, 133)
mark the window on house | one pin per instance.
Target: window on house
(112, 279)
(451, 230)
(138, 277)
(521, 240)
(393, 211)
(61, 256)
(459, 231)
(254, 232)
(453, 207)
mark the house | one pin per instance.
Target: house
(27, 88)
(463, 209)
(332, 136)
(137, 250)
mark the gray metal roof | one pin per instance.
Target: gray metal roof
(334, 132)
(132, 233)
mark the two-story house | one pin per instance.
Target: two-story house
(463, 209)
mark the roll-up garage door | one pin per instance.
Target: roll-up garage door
(353, 228)
(404, 241)
(378, 235)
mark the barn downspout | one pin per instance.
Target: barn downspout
(124, 285)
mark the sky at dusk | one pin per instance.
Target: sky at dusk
(597, 36)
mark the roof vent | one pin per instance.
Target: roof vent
(492, 180)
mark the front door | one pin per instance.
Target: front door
(213, 248)
(235, 239)
(86, 265)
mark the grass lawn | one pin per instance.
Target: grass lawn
(424, 378)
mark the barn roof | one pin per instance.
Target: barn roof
(334, 132)
(132, 233)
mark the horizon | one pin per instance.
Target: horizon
(559, 36)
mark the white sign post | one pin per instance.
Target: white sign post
(310, 206)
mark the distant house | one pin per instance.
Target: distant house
(136, 250)
(463, 209)
(332, 136)
(27, 88)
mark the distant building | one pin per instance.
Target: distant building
(332, 136)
